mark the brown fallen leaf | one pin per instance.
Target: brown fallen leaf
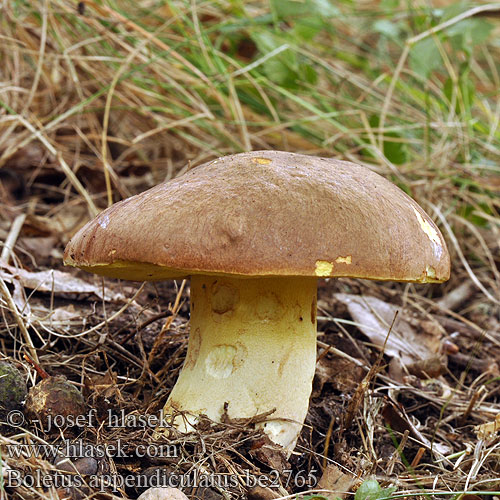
(31, 155)
(338, 483)
(270, 454)
(61, 225)
(396, 417)
(428, 368)
(343, 374)
(41, 246)
(261, 493)
(104, 385)
(374, 317)
(57, 282)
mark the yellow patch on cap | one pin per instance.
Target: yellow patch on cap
(323, 268)
(427, 228)
(430, 272)
(344, 260)
(261, 161)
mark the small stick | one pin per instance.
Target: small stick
(41, 372)
(417, 457)
(463, 419)
(166, 326)
(359, 395)
(475, 364)
(337, 352)
(398, 453)
(327, 441)
(13, 308)
(10, 242)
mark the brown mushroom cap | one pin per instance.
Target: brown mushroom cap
(266, 213)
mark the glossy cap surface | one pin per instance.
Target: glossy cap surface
(266, 213)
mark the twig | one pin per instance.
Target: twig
(474, 364)
(358, 397)
(43, 374)
(166, 326)
(10, 242)
(13, 308)
(327, 441)
(465, 263)
(398, 453)
(475, 395)
(417, 457)
(339, 353)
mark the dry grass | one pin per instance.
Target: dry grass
(100, 103)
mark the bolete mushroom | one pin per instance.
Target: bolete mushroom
(254, 231)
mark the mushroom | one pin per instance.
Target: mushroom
(254, 231)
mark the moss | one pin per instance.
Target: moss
(12, 388)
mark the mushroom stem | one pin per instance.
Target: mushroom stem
(252, 346)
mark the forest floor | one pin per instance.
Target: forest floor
(102, 101)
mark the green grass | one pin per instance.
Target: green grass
(408, 88)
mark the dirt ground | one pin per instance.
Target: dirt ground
(100, 102)
(410, 416)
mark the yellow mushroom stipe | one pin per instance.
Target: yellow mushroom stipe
(323, 268)
(252, 337)
(344, 260)
(220, 362)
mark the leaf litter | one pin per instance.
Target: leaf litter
(426, 418)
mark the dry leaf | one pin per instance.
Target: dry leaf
(396, 417)
(261, 493)
(343, 374)
(64, 314)
(20, 299)
(270, 454)
(336, 482)
(105, 385)
(31, 155)
(488, 430)
(42, 246)
(428, 368)
(57, 282)
(60, 225)
(374, 317)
